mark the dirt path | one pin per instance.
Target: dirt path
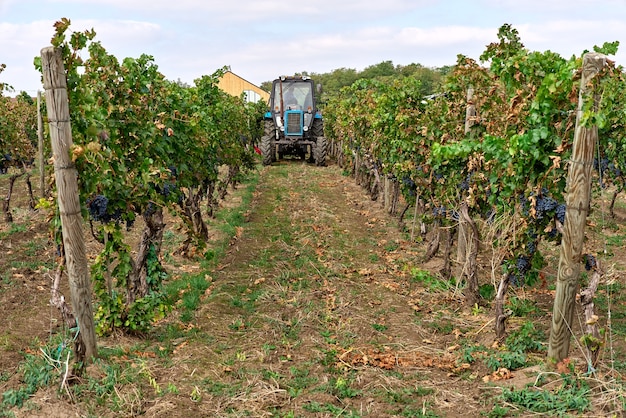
(314, 313)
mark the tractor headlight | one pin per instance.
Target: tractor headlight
(305, 128)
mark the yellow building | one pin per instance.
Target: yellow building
(235, 85)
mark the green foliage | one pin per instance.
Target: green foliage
(526, 339)
(513, 355)
(522, 307)
(39, 369)
(511, 360)
(379, 327)
(430, 281)
(110, 284)
(571, 396)
(336, 411)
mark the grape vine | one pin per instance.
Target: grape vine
(144, 145)
(507, 161)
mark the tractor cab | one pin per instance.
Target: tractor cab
(293, 126)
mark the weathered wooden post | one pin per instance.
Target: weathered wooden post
(66, 177)
(42, 163)
(463, 237)
(578, 202)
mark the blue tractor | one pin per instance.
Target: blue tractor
(293, 125)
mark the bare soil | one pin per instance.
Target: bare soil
(314, 310)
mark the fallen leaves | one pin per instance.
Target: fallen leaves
(501, 374)
(389, 359)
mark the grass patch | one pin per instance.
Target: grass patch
(14, 228)
(572, 395)
(430, 281)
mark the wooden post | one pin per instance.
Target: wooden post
(463, 238)
(66, 177)
(578, 201)
(42, 163)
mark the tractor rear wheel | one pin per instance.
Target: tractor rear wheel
(321, 150)
(268, 144)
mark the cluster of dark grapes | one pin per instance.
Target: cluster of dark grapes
(601, 166)
(439, 211)
(544, 205)
(590, 261)
(559, 212)
(605, 165)
(167, 189)
(98, 210)
(524, 203)
(442, 212)
(409, 185)
(553, 233)
(465, 184)
(522, 266)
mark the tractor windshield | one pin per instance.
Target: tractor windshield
(296, 95)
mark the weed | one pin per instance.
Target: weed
(219, 388)
(6, 279)
(38, 371)
(430, 281)
(511, 360)
(32, 265)
(616, 240)
(472, 353)
(188, 290)
(522, 307)
(329, 359)
(526, 338)
(13, 229)
(271, 375)
(487, 291)
(300, 380)
(407, 395)
(237, 325)
(498, 412)
(379, 327)
(267, 348)
(572, 395)
(442, 327)
(340, 387)
(335, 411)
(416, 412)
(329, 337)
(391, 246)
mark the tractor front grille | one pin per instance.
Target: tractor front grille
(294, 123)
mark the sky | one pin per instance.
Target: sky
(262, 39)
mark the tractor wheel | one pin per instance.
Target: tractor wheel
(317, 128)
(268, 149)
(320, 151)
(268, 146)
